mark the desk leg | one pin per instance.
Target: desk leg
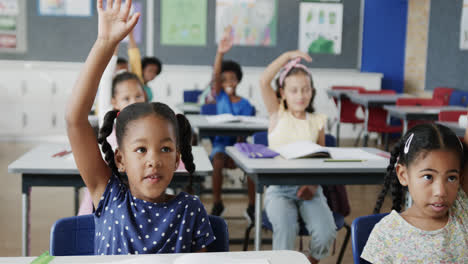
(366, 124)
(77, 199)
(405, 126)
(25, 222)
(338, 104)
(258, 219)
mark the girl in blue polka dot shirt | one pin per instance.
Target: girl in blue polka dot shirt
(133, 215)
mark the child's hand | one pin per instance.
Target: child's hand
(225, 44)
(307, 192)
(115, 22)
(298, 54)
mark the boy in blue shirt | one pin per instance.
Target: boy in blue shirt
(226, 77)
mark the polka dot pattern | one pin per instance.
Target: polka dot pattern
(128, 225)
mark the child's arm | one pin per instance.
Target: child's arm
(134, 57)
(114, 25)
(105, 88)
(268, 93)
(465, 171)
(223, 47)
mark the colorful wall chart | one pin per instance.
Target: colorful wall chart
(65, 7)
(254, 22)
(320, 28)
(183, 22)
(464, 27)
(8, 24)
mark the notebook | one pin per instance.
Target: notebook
(303, 149)
(227, 118)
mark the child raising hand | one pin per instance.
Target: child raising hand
(138, 216)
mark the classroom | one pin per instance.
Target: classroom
(234, 131)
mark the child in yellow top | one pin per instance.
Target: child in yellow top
(429, 161)
(292, 118)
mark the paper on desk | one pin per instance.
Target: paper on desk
(463, 120)
(223, 118)
(198, 258)
(254, 119)
(352, 153)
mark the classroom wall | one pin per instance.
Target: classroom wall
(384, 41)
(35, 94)
(446, 64)
(416, 45)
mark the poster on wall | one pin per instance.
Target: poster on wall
(464, 27)
(183, 22)
(254, 22)
(10, 30)
(320, 28)
(82, 8)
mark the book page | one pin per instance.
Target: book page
(300, 149)
(352, 153)
(254, 119)
(223, 118)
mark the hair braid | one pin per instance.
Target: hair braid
(389, 176)
(104, 132)
(185, 139)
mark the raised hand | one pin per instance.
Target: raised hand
(298, 54)
(225, 44)
(115, 22)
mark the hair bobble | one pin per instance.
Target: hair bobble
(295, 63)
(408, 143)
(118, 113)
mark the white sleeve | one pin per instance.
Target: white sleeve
(105, 90)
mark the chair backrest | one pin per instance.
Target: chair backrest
(450, 116)
(357, 88)
(442, 93)
(220, 230)
(208, 109)
(260, 138)
(419, 102)
(360, 231)
(191, 96)
(74, 236)
(459, 98)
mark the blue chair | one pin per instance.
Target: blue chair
(74, 236)
(360, 231)
(208, 109)
(191, 96)
(330, 140)
(459, 98)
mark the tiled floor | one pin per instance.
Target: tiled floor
(49, 204)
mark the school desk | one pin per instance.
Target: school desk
(426, 113)
(279, 171)
(338, 95)
(207, 129)
(189, 108)
(373, 100)
(455, 127)
(37, 167)
(247, 257)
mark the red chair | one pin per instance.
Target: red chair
(442, 93)
(450, 116)
(348, 109)
(378, 118)
(418, 102)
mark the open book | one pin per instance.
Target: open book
(303, 149)
(226, 118)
